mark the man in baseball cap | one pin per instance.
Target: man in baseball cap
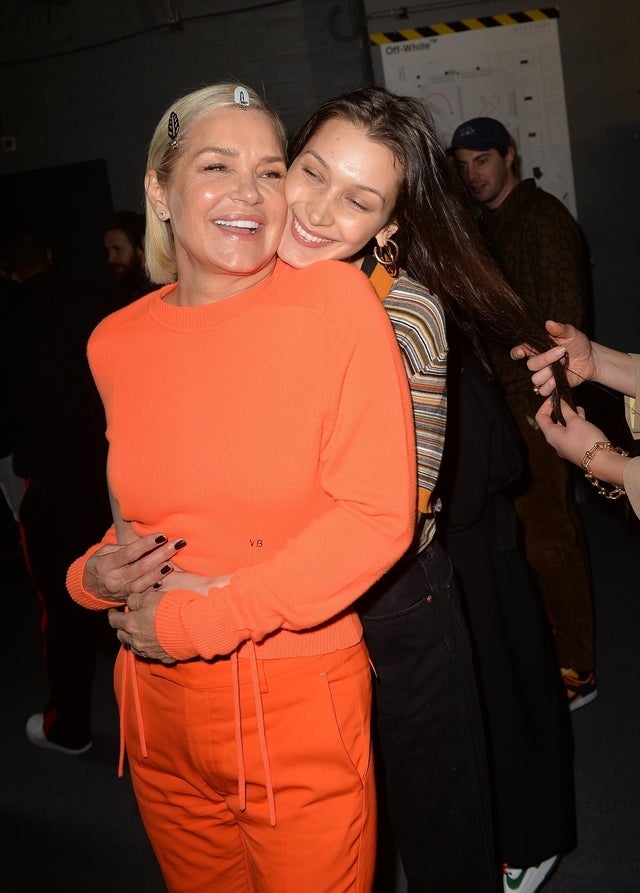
(481, 133)
(485, 160)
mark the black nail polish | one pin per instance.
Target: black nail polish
(180, 544)
(156, 585)
(161, 539)
(166, 569)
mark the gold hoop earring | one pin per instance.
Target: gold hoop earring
(387, 255)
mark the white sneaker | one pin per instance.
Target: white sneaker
(527, 880)
(36, 735)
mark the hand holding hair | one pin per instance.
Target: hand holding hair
(582, 360)
(585, 445)
(572, 440)
(573, 351)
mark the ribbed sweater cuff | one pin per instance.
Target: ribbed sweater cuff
(189, 625)
(78, 593)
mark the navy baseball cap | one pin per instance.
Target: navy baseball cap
(479, 134)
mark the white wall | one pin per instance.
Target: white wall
(601, 65)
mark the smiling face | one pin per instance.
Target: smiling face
(341, 191)
(225, 202)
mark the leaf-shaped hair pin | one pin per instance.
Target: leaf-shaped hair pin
(173, 129)
(241, 97)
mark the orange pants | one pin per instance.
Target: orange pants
(318, 758)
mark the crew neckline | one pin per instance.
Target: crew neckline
(202, 316)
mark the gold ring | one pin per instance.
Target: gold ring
(536, 389)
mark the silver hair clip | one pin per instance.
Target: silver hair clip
(241, 97)
(173, 129)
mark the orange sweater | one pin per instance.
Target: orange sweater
(273, 432)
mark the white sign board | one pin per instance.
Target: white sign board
(508, 71)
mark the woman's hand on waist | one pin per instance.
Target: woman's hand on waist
(180, 579)
(115, 572)
(136, 625)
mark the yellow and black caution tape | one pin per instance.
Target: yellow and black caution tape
(512, 18)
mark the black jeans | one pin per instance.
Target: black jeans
(429, 727)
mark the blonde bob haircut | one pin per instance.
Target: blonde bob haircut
(159, 246)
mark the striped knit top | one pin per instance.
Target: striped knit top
(419, 324)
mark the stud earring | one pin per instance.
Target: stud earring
(160, 214)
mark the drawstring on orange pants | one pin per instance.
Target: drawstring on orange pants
(130, 669)
(262, 736)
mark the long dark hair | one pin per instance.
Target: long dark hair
(438, 240)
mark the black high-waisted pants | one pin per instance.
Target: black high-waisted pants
(428, 727)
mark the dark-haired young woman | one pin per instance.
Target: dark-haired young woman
(369, 183)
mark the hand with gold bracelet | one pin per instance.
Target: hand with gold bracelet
(584, 444)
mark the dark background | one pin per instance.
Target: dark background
(84, 82)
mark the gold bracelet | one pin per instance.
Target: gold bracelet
(614, 492)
